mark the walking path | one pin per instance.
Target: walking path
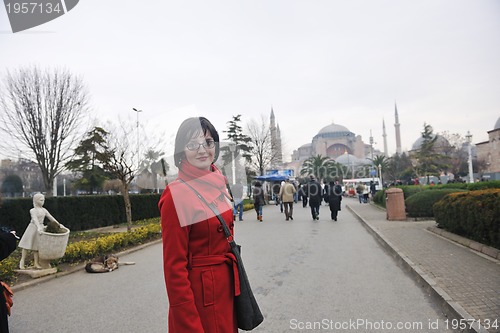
(464, 282)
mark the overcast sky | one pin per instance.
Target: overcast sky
(315, 62)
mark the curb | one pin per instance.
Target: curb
(476, 246)
(34, 282)
(450, 308)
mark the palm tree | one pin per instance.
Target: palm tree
(381, 162)
(321, 167)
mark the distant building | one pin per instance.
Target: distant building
(488, 153)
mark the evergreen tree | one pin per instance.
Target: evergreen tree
(88, 158)
(429, 161)
(235, 134)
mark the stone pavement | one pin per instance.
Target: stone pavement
(464, 282)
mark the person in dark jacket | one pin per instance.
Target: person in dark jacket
(334, 196)
(303, 195)
(7, 246)
(315, 195)
(258, 199)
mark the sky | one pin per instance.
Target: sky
(314, 62)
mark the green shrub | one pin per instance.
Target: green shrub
(420, 204)
(80, 212)
(474, 214)
(78, 251)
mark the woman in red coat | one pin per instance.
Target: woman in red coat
(200, 271)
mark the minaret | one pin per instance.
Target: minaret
(384, 135)
(274, 139)
(279, 153)
(398, 132)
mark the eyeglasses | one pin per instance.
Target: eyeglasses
(208, 144)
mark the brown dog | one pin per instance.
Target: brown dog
(105, 264)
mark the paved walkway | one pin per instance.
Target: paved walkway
(465, 282)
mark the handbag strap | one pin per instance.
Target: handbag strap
(214, 209)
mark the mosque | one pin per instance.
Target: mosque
(488, 153)
(345, 147)
(338, 143)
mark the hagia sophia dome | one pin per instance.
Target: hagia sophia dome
(333, 141)
(334, 131)
(441, 142)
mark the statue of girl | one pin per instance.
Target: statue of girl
(29, 241)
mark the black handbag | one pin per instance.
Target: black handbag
(247, 310)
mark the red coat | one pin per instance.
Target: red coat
(198, 264)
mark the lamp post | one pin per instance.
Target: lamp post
(379, 167)
(232, 149)
(138, 150)
(469, 148)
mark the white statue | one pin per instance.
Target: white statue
(29, 241)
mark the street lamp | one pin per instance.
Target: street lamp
(138, 152)
(232, 149)
(471, 172)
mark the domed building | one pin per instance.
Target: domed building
(333, 141)
(488, 153)
(441, 145)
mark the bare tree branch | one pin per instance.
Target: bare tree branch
(42, 112)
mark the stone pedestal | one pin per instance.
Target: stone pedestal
(37, 273)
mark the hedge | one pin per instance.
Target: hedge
(475, 215)
(421, 203)
(410, 190)
(80, 212)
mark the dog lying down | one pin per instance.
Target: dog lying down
(105, 264)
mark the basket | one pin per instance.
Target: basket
(52, 246)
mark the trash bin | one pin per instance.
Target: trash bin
(395, 204)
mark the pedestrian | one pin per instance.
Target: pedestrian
(334, 195)
(315, 196)
(8, 239)
(29, 241)
(366, 193)
(373, 188)
(237, 191)
(359, 190)
(258, 199)
(286, 194)
(276, 190)
(303, 195)
(198, 265)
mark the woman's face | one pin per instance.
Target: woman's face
(200, 151)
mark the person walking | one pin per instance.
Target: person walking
(287, 192)
(258, 199)
(303, 195)
(315, 196)
(334, 195)
(237, 191)
(199, 268)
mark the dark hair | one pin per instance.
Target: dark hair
(258, 184)
(189, 128)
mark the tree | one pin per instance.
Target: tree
(121, 160)
(399, 167)
(43, 112)
(262, 150)
(151, 167)
(322, 167)
(12, 185)
(242, 141)
(380, 162)
(429, 162)
(88, 159)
